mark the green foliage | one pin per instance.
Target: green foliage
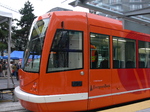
(20, 32)
(20, 36)
(2, 46)
(3, 36)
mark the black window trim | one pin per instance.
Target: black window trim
(76, 51)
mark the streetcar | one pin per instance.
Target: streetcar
(61, 72)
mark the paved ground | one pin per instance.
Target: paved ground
(143, 106)
(11, 107)
(7, 103)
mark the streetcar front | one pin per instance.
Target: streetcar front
(30, 71)
(54, 73)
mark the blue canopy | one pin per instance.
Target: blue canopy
(3, 57)
(19, 55)
(6, 57)
(15, 55)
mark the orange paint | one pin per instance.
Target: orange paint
(83, 88)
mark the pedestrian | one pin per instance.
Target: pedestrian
(18, 67)
(4, 68)
(11, 68)
(1, 70)
(15, 70)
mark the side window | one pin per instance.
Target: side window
(67, 51)
(99, 52)
(124, 55)
(144, 54)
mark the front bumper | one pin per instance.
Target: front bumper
(49, 98)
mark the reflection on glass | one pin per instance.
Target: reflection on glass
(66, 52)
(33, 51)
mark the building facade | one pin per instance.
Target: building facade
(120, 5)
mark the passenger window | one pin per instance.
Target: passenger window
(99, 52)
(66, 52)
(124, 53)
(144, 54)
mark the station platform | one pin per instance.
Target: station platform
(140, 106)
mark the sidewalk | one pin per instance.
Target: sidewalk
(4, 82)
(10, 106)
(7, 103)
(5, 92)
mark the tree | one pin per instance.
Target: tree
(21, 34)
(3, 37)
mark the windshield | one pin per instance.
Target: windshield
(33, 50)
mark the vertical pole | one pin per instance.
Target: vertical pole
(9, 51)
(76, 2)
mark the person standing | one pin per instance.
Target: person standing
(1, 70)
(15, 70)
(4, 68)
(94, 57)
(18, 67)
(11, 68)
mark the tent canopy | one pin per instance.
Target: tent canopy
(15, 55)
(4, 16)
(19, 55)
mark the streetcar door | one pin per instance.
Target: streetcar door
(100, 72)
(66, 67)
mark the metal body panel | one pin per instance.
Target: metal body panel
(99, 87)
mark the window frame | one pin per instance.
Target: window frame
(135, 53)
(109, 61)
(146, 62)
(82, 51)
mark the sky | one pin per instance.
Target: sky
(40, 6)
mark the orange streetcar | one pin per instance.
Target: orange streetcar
(81, 61)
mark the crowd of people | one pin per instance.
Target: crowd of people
(14, 67)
